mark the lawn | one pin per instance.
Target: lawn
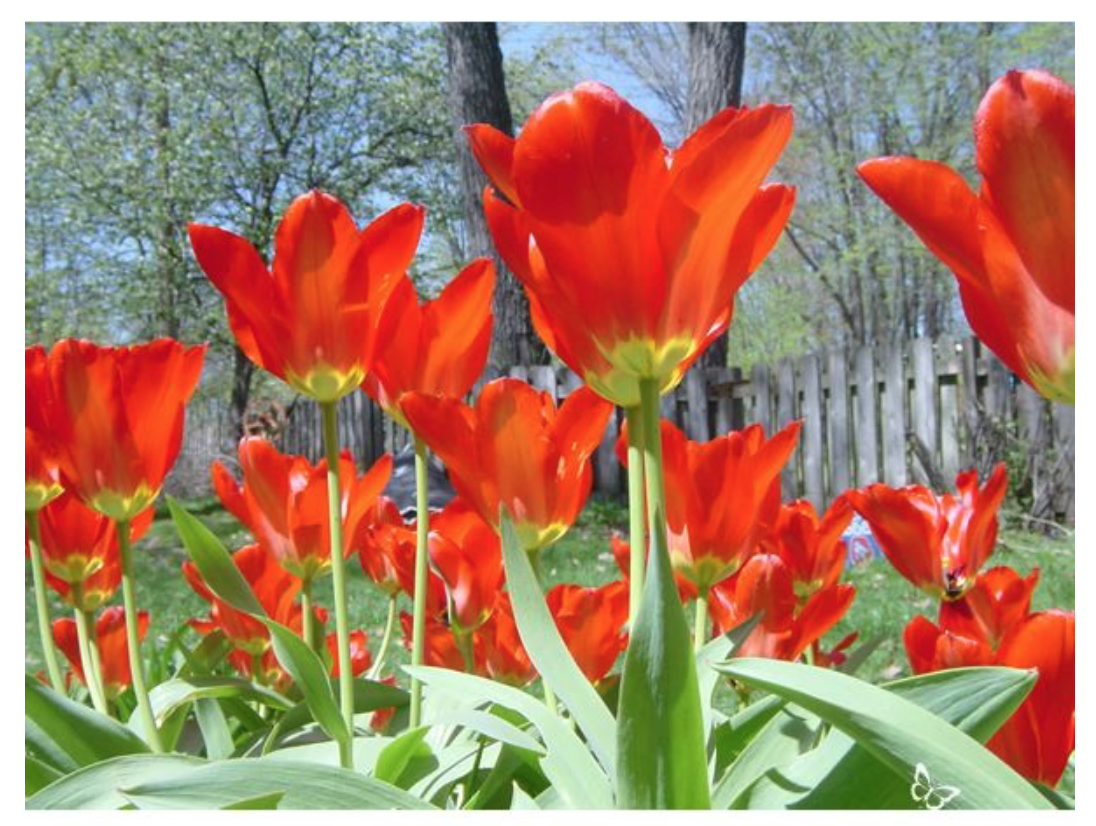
(883, 605)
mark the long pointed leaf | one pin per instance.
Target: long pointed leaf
(549, 653)
(576, 775)
(897, 732)
(661, 758)
(225, 580)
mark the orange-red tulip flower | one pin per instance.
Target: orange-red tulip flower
(438, 348)
(1011, 246)
(311, 319)
(810, 547)
(275, 588)
(503, 656)
(43, 477)
(283, 502)
(936, 542)
(118, 418)
(440, 648)
(932, 648)
(786, 629)
(386, 551)
(719, 496)
(514, 448)
(110, 639)
(467, 554)
(1039, 738)
(360, 658)
(630, 253)
(998, 602)
(835, 656)
(591, 622)
(80, 551)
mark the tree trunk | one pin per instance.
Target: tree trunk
(477, 94)
(242, 370)
(717, 56)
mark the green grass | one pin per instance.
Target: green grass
(884, 603)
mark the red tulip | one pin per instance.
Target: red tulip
(631, 254)
(719, 495)
(932, 648)
(311, 319)
(271, 673)
(43, 477)
(786, 629)
(386, 550)
(110, 638)
(999, 601)
(440, 648)
(936, 542)
(515, 449)
(275, 588)
(1011, 246)
(360, 658)
(81, 553)
(466, 552)
(503, 656)
(438, 348)
(380, 718)
(811, 547)
(119, 418)
(1039, 738)
(591, 622)
(283, 502)
(835, 656)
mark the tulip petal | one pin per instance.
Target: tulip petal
(1024, 135)
(494, 151)
(240, 275)
(1039, 738)
(457, 331)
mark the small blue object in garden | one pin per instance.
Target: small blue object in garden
(859, 542)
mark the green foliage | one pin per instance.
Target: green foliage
(901, 734)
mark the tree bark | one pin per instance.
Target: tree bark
(717, 56)
(477, 94)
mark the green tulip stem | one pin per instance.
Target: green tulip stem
(386, 640)
(308, 630)
(422, 536)
(338, 574)
(700, 631)
(45, 627)
(89, 662)
(636, 517)
(133, 642)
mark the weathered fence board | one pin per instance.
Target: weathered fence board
(860, 408)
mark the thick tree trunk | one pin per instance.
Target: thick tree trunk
(477, 94)
(717, 56)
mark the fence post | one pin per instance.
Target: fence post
(838, 423)
(867, 445)
(924, 400)
(785, 413)
(696, 399)
(811, 438)
(894, 417)
(947, 377)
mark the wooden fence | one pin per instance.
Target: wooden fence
(916, 411)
